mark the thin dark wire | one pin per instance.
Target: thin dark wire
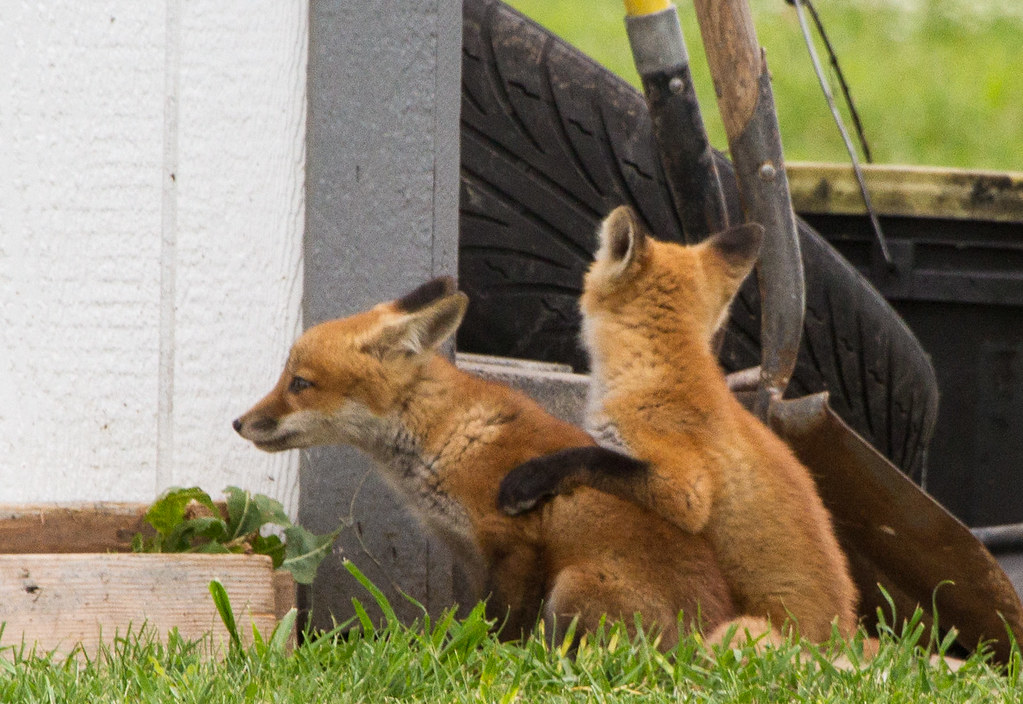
(874, 221)
(841, 82)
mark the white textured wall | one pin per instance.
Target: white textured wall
(151, 210)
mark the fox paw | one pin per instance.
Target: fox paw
(694, 503)
(527, 486)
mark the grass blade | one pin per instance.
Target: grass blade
(283, 630)
(378, 596)
(223, 604)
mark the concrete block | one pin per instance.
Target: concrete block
(554, 386)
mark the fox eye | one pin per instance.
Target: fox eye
(299, 384)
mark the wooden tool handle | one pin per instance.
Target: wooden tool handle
(733, 54)
(746, 104)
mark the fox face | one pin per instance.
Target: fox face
(344, 378)
(653, 285)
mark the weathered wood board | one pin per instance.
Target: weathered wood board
(56, 601)
(66, 577)
(907, 191)
(73, 527)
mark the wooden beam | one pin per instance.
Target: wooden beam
(910, 191)
(54, 602)
(73, 527)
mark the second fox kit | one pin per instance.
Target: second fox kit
(650, 310)
(445, 439)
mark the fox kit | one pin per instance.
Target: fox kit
(445, 439)
(703, 462)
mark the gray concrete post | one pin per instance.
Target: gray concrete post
(381, 216)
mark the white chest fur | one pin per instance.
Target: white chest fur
(419, 479)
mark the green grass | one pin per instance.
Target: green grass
(460, 660)
(937, 85)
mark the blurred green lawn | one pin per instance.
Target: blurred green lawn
(937, 85)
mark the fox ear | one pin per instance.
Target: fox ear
(731, 253)
(739, 246)
(424, 328)
(425, 294)
(622, 240)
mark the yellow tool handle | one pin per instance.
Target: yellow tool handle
(634, 8)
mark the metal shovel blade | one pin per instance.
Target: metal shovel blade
(896, 535)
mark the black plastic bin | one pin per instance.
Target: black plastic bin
(956, 238)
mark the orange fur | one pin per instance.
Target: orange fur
(445, 439)
(650, 310)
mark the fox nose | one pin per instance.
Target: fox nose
(237, 425)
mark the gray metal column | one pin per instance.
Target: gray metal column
(381, 217)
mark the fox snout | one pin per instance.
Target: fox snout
(345, 379)
(253, 426)
(263, 431)
(273, 429)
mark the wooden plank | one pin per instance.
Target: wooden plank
(69, 528)
(910, 191)
(238, 236)
(285, 593)
(151, 197)
(58, 601)
(82, 122)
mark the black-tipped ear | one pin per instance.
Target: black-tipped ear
(425, 328)
(426, 294)
(439, 320)
(739, 245)
(622, 239)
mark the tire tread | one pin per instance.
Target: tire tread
(551, 142)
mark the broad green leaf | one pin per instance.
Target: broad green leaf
(304, 552)
(168, 511)
(246, 513)
(269, 545)
(241, 513)
(272, 510)
(213, 548)
(207, 528)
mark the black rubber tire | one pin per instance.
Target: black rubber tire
(550, 143)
